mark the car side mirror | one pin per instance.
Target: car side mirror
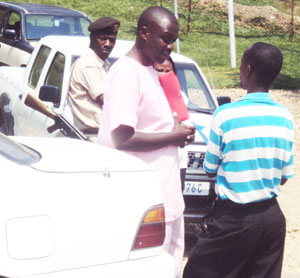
(10, 34)
(50, 94)
(223, 99)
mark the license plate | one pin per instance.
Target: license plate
(196, 188)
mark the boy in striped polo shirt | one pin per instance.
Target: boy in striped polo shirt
(250, 152)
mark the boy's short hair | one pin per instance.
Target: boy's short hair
(266, 61)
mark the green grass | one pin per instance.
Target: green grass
(208, 39)
(256, 2)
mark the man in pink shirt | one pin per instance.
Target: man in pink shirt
(137, 119)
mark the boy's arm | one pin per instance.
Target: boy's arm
(213, 152)
(283, 181)
(210, 175)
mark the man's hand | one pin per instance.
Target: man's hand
(190, 138)
(184, 134)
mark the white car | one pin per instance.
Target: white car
(71, 208)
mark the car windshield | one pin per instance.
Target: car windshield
(17, 152)
(39, 26)
(193, 85)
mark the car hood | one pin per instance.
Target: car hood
(202, 123)
(33, 43)
(88, 157)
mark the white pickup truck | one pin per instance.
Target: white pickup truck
(46, 77)
(24, 24)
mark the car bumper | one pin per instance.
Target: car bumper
(198, 206)
(161, 266)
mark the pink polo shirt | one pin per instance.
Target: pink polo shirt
(133, 97)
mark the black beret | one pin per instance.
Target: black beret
(107, 25)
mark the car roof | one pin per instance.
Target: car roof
(76, 45)
(30, 8)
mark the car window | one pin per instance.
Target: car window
(193, 86)
(78, 25)
(56, 72)
(74, 58)
(13, 19)
(2, 19)
(39, 26)
(10, 21)
(38, 65)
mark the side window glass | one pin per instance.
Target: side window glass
(2, 20)
(56, 72)
(193, 86)
(38, 66)
(39, 26)
(195, 91)
(14, 23)
(84, 24)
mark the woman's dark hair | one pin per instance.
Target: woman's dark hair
(173, 64)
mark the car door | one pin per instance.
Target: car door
(54, 77)
(12, 51)
(24, 116)
(3, 23)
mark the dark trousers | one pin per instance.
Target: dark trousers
(240, 241)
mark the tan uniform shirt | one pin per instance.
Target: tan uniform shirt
(86, 84)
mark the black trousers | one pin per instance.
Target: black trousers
(240, 241)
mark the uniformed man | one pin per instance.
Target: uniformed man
(88, 76)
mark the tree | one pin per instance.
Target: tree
(189, 17)
(292, 21)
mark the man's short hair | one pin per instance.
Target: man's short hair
(266, 61)
(152, 15)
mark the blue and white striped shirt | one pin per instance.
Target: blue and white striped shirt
(251, 148)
